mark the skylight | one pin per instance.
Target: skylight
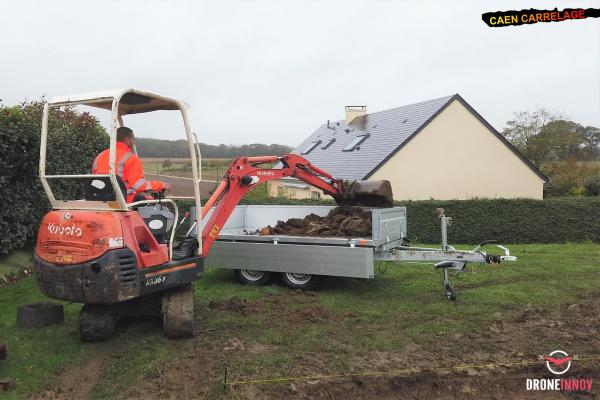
(328, 143)
(311, 147)
(355, 142)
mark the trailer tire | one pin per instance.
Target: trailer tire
(250, 277)
(96, 323)
(298, 281)
(178, 312)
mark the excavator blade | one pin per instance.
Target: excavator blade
(366, 194)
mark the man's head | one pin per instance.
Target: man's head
(125, 135)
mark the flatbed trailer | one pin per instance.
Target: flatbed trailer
(300, 259)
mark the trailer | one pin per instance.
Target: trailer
(300, 260)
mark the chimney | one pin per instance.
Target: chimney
(354, 111)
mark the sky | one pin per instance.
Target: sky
(274, 71)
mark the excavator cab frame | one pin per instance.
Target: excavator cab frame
(120, 103)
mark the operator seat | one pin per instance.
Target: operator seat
(101, 189)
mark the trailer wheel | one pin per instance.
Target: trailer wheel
(250, 277)
(298, 281)
(96, 323)
(178, 312)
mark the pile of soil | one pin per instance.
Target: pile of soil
(343, 221)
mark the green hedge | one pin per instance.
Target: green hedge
(74, 141)
(556, 220)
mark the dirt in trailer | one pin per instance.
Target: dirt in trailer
(343, 221)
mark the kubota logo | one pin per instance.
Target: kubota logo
(72, 230)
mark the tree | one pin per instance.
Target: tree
(560, 140)
(591, 138)
(543, 136)
(523, 132)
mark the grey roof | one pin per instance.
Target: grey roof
(388, 132)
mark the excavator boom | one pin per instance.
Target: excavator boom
(245, 173)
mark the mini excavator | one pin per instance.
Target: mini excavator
(120, 259)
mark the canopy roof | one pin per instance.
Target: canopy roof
(131, 101)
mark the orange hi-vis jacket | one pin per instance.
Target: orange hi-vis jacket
(129, 168)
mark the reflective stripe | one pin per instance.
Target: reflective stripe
(129, 191)
(139, 183)
(148, 186)
(122, 163)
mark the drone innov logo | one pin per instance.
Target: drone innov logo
(559, 362)
(556, 365)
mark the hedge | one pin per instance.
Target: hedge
(74, 140)
(555, 220)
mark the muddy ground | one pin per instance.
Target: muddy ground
(491, 363)
(343, 221)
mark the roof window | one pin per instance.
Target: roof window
(355, 142)
(311, 147)
(328, 143)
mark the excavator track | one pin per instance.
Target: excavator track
(96, 322)
(178, 312)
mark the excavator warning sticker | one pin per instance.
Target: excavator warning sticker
(214, 231)
(115, 242)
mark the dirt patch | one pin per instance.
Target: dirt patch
(491, 363)
(187, 376)
(426, 385)
(303, 309)
(343, 221)
(413, 371)
(75, 383)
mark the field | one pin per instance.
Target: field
(392, 337)
(212, 168)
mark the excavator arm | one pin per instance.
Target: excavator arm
(245, 173)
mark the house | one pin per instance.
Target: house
(437, 149)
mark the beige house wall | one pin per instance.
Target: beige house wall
(280, 188)
(456, 157)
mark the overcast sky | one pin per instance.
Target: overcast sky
(273, 71)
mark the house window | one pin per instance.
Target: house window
(328, 143)
(315, 195)
(311, 147)
(355, 142)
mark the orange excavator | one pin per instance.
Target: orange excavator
(120, 258)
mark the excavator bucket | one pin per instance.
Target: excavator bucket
(366, 194)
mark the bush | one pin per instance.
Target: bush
(592, 185)
(568, 177)
(556, 220)
(74, 141)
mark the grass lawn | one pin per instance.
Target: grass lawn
(283, 332)
(13, 264)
